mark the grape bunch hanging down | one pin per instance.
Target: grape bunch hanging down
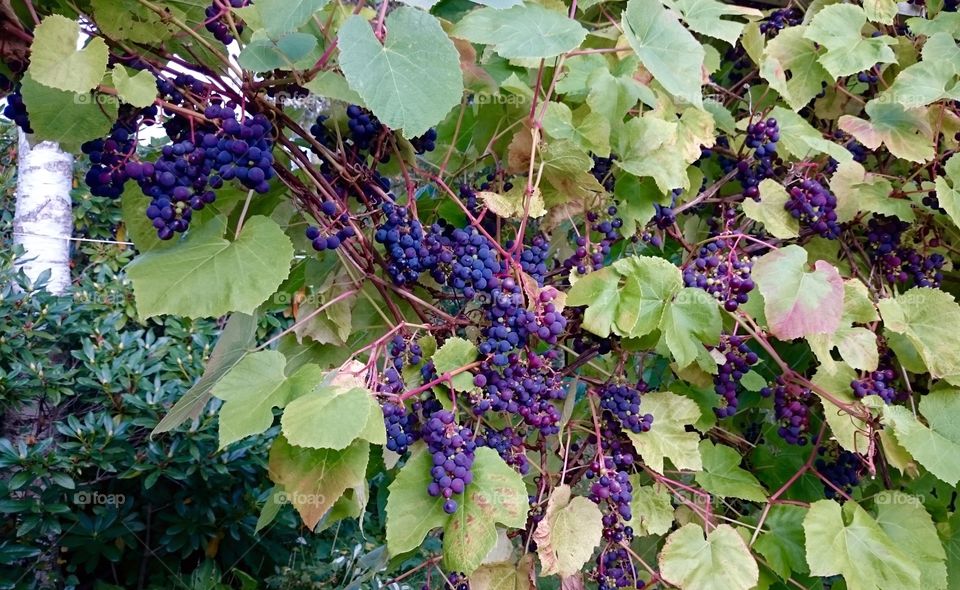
(791, 405)
(217, 23)
(738, 360)
(452, 448)
(815, 207)
(723, 271)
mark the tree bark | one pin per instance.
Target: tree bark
(43, 222)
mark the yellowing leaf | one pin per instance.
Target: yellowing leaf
(568, 534)
(668, 438)
(689, 559)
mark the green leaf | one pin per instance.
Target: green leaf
(928, 319)
(721, 561)
(264, 55)
(837, 27)
(65, 117)
(314, 479)
(128, 20)
(333, 416)
(668, 438)
(590, 130)
(650, 284)
(139, 91)
(771, 211)
(800, 139)
(880, 11)
(908, 524)
(333, 85)
(285, 16)
(791, 66)
(669, 51)
(847, 430)
(527, 31)
(651, 508)
(706, 17)
(410, 81)
(208, 276)
(505, 576)
(455, 354)
(411, 512)
(569, 532)
(936, 447)
(856, 190)
(723, 476)
(56, 62)
(798, 303)
(691, 318)
(849, 543)
(947, 195)
(613, 96)
(496, 495)
(906, 132)
(236, 340)
(930, 80)
(253, 387)
(782, 545)
(649, 147)
(599, 291)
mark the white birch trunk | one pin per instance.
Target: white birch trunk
(43, 222)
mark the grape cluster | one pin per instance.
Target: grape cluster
(184, 177)
(615, 570)
(16, 111)
(403, 239)
(815, 207)
(791, 406)
(721, 271)
(452, 448)
(364, 127)
(739, 359)
(762, 138)
(840, 467)
(508, 443)
(107, 174)
(603, 171)
(173, 92)
(526, 386)
(533, 258)
(898, 262)
(623, 401)
(456, 581)
(215, 22)
(466, 261)
(339, 229)
(879, 382)
(780, 19)
(614, 492)
(591, 255)
(426, 142)
(401, 427)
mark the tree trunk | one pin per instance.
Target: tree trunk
(43, 222)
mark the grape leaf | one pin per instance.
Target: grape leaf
(599, 291)
(612, 97)
(590, 130)
(651, 508)
(650, 284)
(333, 85)
(128, 20)
(264, 55)
(505, 576)
(937, 446)
(930, 80)
(856, 190)
(907, 133)
(649, 146)
(235, 342)
(791, 66)
(908, 524)
(412, 80)
(568, 534)
(65, 117)
(280, 17)
(56, 62)
(928, 319)
(669, 51)
(719, 561)
(411, 512)
(455, 354)
(846, 541)
(706, 17)
(314, 479)
(253, 387)
(948, 192)
(798, 303)
(496, 495)
(771, 211)
(782, 543)
(800, 139)
(526, 31)
(139, 91)
(668, 438)
(333, 416)
(848, 431)
(205, 275)
(880, 11)
(837, 27)
(723, 476)
(691, 318)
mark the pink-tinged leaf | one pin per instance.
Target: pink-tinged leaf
(797, 302)
(862, 130)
